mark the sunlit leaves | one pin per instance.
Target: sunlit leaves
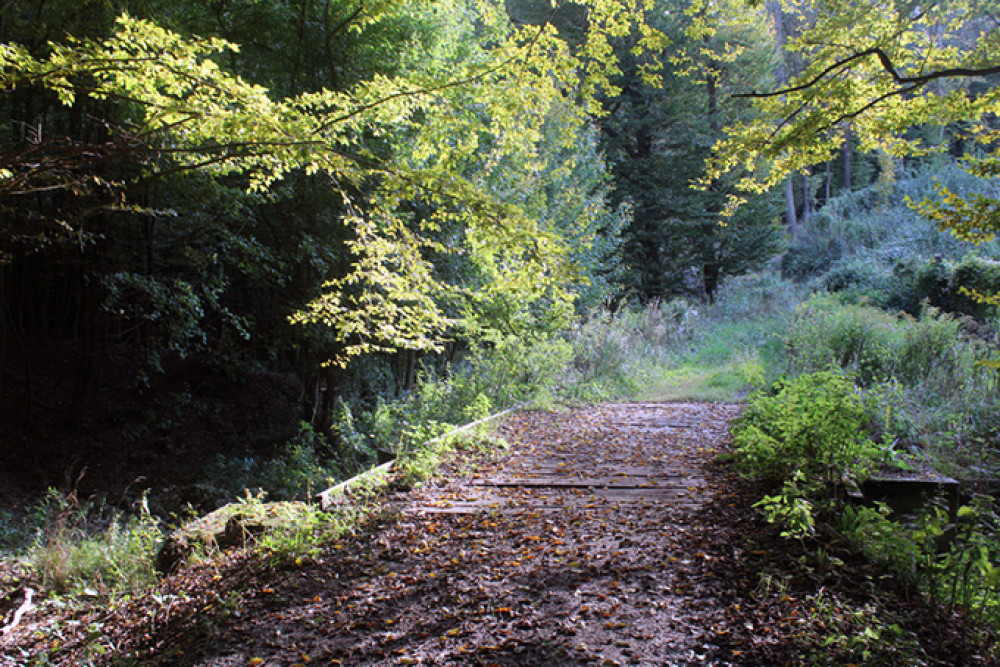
(470, 96)
(881, 71)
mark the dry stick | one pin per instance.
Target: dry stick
(25, 607)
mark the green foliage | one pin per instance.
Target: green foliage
(953, 561)
(297, 536)
(80, 550)
(852, 633)
(910, 284)
(972, 281)
(791, 508)
(302, 467)
(874, 344)
(923, 378)
(362, 171)
(811, 426)
(876, 245)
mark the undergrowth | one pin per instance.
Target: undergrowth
(92, 550)
(807, 437)
(922, 379)
(678, 349)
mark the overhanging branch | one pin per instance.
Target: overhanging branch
(885, 61)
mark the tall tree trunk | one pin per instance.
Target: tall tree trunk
(791, 220)
(300, 33)
(91, 341)
(806, 199)
(5, 324)
(711, 87)
(782, 76)
(773, 7)
(848, 151)
(326, 392)
(710, 275)
(827, 186)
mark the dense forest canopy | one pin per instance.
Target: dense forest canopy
(388, 177)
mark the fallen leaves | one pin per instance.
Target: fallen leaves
(555, 576)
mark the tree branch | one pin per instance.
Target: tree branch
(887, 65)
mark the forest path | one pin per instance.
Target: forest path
(608, 535)
(605, 536)
(583, 546)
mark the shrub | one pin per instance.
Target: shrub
(303, 466)
(812, 426)
(754, 295)
(806, 258)
(974, 274)
(824, 332)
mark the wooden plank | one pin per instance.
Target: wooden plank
(544, 472)
(583, 483)
(596, 503)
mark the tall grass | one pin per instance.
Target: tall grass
(922, 377)
(91, 549)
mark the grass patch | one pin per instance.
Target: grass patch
(697, 383)
(93, 550)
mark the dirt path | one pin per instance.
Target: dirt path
(608, 536)
(582, 547)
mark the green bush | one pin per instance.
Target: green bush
(975, 274)
(955, 563)
(861, 279)
(305, 465)
(811, 426)
(806, 259)
(825, 331)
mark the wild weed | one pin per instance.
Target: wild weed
(813, 426)
(84, 549)
(303, 466)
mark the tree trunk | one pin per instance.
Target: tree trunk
(711, 88)
(806, 199)
(5, 324)
(848, 176)
(827, 186)
(327, 391)
(710, 275)
(773, 7)
(791, 220)
(90, 338)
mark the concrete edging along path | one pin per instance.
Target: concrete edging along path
(232, 523)
(383, 474)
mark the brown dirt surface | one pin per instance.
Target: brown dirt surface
(609, 535)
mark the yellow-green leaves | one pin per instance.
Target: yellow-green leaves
(880, 71)
(418, 153)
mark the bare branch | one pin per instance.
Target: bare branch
(887, 64)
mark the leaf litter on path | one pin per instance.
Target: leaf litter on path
(608, 535)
